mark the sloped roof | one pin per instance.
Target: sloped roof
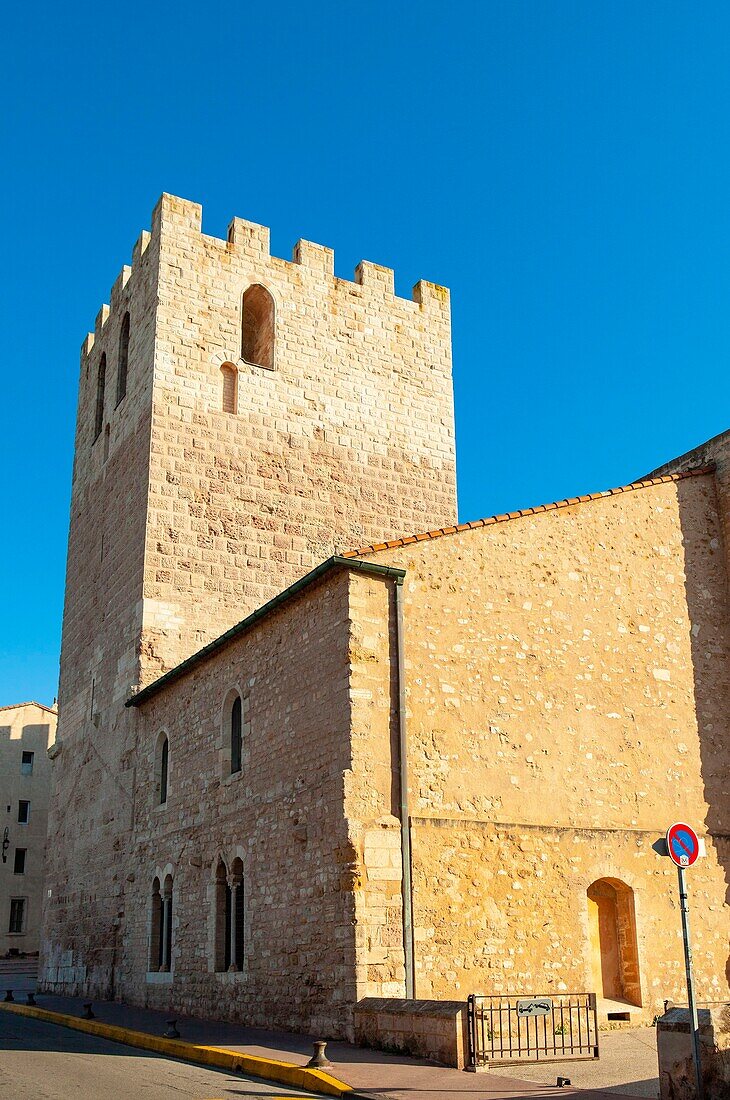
(569, 502)
(17, 706)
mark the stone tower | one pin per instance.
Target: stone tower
(240, 418)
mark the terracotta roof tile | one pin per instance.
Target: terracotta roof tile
(569, 502)
(30, 703)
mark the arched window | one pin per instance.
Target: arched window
(100, 383)
(161, 775)
(156, 953)
(222, 934)
(237, 915)
(166, 930)
(229, 917)
(123, 358)
(229, 399)
(236, 735)
(164, 762)
(257, 327)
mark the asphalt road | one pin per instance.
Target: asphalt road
(41, 1061)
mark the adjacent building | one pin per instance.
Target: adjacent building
(292, 773)
(27, 732)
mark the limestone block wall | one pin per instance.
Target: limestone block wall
(567, 698)
(427, 1029)
(90, 814)
(348, 438)
(674, 1048)
(184, 519)
(282, 815)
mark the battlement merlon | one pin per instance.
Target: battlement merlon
(181, 216)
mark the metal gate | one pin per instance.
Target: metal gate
(500, 1031)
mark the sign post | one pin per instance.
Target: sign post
(683, 847)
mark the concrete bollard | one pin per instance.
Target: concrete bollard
(30, 999)
(9, 995)
(319, 1059)
(172, 1032)
(87, 1014)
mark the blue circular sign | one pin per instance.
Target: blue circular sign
(682, 844)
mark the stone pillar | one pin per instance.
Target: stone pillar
(166, 931)
(236, 885)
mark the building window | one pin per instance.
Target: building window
(155, 958)
(229, 400)
(229, 917)
(257, 327)
(237, 911)
(26, 763)
(23, 812)
(162, 768)
(19, 863)
(100, 384)
(220, 901)
(123, 359)
(160, 958)
(17, 915)
(236, 736)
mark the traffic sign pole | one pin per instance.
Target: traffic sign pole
(696, 1058)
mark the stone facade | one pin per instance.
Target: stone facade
(559, 676)
(567, 675)
(27, 732)
(184, 517)
(674, 1047)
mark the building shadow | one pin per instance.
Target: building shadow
(707, 589)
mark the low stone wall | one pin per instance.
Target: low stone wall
(674, 1046)
(427, 1029)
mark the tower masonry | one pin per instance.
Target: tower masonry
(240, 418)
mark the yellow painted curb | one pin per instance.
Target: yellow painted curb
(286, 1073)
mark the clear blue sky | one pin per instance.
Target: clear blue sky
(563, 167)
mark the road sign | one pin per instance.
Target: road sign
(539, 1006)
(682, 844)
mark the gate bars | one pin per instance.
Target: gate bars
(498, 1035)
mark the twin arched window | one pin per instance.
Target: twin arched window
(161, 926)
(229, 917)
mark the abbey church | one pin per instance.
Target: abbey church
(317, 741)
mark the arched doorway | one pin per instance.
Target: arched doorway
(614, 950)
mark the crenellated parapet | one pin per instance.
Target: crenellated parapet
(116, 297)
(248, 239)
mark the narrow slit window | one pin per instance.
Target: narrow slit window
(123, 359)
(100, 385)
(229, 401)
(236, 736)
(164, 762)
(23, 812)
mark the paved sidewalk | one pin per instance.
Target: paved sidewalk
(370, 1073)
